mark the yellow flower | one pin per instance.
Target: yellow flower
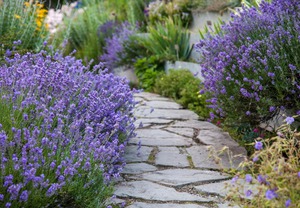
(27, 4)
(17, 16)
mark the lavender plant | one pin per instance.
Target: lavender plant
(63, 130)
(251, 68)
(114, 48)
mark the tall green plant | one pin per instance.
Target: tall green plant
(82, 30)
(169, 40)
(23, 21)
(135, 13)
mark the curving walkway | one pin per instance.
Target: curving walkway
(168, 164)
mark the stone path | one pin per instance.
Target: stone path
(168, 164)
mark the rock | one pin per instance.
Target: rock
(147, 122)
(171, 156)
(137, 168)
(188, 132)
(150, 191)
(147, 112)
(151, 96)
(218, 188)
(166, 142)
(181, 177)
(159, 137)
(132, 154)
(145, 205)
(200, 157)
(163, 104)
(201, 125)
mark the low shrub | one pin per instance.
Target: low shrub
(183, 86)
(148, 70)
(63, 130)
(272, 177)
(251, 68)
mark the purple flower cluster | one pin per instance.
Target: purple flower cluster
(114, 48)
(251, 68)
(59, 120)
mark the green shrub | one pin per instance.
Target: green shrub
(272, 177)
(148, 70)
(169, 40)
(182, 86)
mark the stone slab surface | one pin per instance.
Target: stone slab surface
(202, 125)
(188, 132)
(181, 177)
(150, 191)
(156, 133)
(138, 168)
(151, 96)
(145, 205)
(132, 154)
(217, 139)
(171, 156)
(147, 112)
(166, 142)
(153, 121)
(218, 188)
(163, 104)
(200, 157)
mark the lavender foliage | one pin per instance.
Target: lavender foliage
(58, 121)
(251, 68)
(114, 48)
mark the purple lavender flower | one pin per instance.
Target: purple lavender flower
(271, 194)
(234, 179)
(24, 196)
(1, 197)
(75, 115)
(248, 193)
(289, 120)
(298, 174)
(114, 45)
(248, 178)
(246, 62)
(262, 179)
(288, 203)
(258, 145)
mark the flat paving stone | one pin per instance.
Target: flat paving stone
(153, 121)
(171, 156)
(138, 168)
(146, 190)
(166, 142)
(219, 188)
(181, 114)
(200, 158)
(181, 177)
(195, 124)
(188, 132)
(217, 139)
(151, 96)
(156, 133)
(163, 104)
(145, 205)
(132, 154)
